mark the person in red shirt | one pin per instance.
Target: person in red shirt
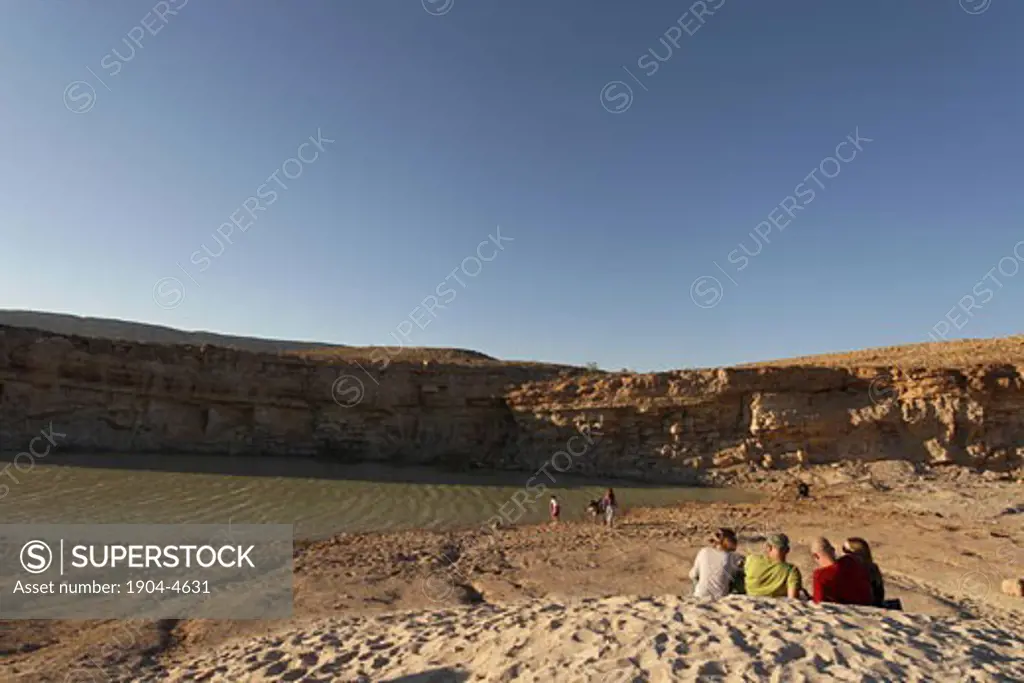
(844, 580)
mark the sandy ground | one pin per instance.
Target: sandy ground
(944, 540)
(622, 639)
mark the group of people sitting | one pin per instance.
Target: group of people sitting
(852, 578)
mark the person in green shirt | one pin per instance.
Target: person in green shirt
(769, 575)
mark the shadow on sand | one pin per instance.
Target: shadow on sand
(445, 675)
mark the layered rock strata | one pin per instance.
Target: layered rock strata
(109, 396)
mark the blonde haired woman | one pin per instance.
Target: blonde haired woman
(860, 549)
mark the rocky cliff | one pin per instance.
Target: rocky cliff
(782, 417)
(129, 397)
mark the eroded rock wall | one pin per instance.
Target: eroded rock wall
(128, 397)
(109, 396)
(689, 422)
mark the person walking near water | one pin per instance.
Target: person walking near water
(555, 510)
(609, 507)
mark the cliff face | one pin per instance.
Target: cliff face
(695, 421)
(121, 397)
(128, 397)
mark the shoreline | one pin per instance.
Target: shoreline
(215, 458)
(319, 501)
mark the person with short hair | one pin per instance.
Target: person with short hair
(844, 580)
(769, 575)
(716, 566)
(859, 548)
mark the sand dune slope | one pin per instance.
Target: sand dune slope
(621, 639)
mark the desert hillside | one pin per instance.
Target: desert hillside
(952, 354)
(381, 355)
(126, 330)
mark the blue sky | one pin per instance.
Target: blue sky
(447, 125)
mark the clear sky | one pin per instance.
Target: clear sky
(449, 118)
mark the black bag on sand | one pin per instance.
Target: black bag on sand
(892, 604)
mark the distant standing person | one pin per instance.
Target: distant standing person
(717, 566)
(555, 509)
(609, 507)
(769, 575)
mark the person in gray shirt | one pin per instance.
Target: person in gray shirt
(717, 567)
